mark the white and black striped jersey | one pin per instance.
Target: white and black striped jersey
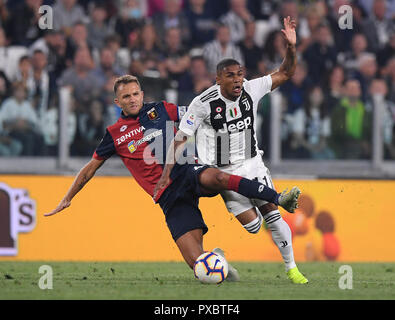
(225, 130)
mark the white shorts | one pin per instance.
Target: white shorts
(253, 168)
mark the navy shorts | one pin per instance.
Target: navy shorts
(180, 201)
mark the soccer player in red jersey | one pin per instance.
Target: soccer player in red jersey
(139, 139)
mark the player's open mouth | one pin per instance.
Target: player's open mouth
(237, 89)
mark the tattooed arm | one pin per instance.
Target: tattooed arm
(287, 68)
(85, 174)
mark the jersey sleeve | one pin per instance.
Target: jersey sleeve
(175, 112)
(194, 116)
(260, 86)
(171, 110)
(106, 148)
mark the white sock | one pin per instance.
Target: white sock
(282, 237)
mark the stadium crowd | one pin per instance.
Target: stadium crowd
(173, 46)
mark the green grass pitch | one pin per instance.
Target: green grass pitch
(175, 281)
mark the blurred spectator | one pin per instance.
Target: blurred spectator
(390, 79)
(341, 38)
(43, 42)
(155, 6)
(77, 40)
(334, 87)
(4, 13)
(19, 119)
(98, 29)
(250, 51)
(221, 48)
(9, 56)
(50, 125)
(378, 27)
(24, 70)
(218, 7)
(106, 68)
(194, 82)
(22, 24)
(367, 70)
(321, 55)
(236, 19)
(38, 83)
(377, 102)
(176, 59)
(172, 17)
(294, 93)
(66, 13)
(90, 129)
(295, 90)
(57, 60)
(314, 16)
(5, 87)
(201, 22)
(349, 59)
(386, 53)
(122, 55)
(367, 6)
(351, 124)
(146, 58)
(53, 45)
(111, 111)
(9, 147)
(119, 36)
(274, 50)
(263, 10)
(290, 8)
(81, 78)
(130, 18)
(311, 128)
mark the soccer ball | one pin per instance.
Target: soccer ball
(210, 268)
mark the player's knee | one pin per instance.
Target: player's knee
(255, 225)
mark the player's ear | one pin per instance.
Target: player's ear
(218, 79)
(116, 101)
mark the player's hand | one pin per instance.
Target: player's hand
(289, 30)
(62, 205)
(162, 183)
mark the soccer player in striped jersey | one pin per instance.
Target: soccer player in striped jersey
(139, 138)
(224, 120)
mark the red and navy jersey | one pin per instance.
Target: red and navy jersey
(140, 141)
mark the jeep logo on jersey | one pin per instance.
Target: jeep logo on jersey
(17, 214)
(234, 127)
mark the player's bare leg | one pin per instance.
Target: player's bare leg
(190, 245)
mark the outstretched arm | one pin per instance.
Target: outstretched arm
(175, 149)
(287, 68)
(85, 174)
